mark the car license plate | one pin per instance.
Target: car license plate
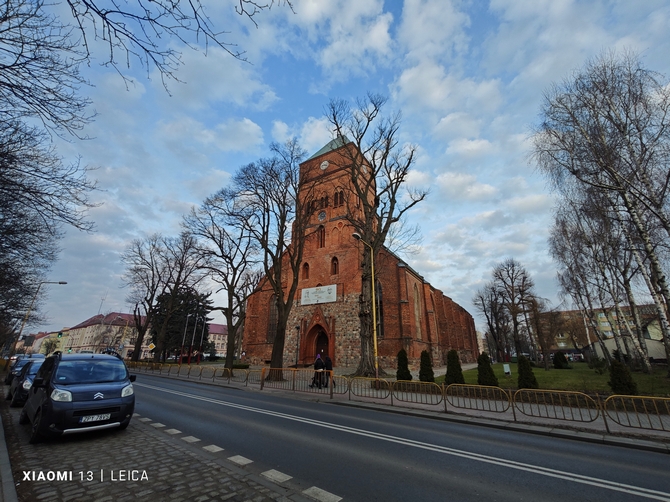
(95, 418)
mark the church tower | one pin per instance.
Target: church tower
(324, 318)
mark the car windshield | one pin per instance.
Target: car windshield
(20, 364)
(90, 371)
(32, 370)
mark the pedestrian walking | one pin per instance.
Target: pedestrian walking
(319, 366)
(328, 364)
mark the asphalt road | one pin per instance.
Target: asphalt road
(362, 454)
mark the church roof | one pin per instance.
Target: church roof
(334, 144)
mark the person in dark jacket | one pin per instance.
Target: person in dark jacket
(319, 366)
(328, 363)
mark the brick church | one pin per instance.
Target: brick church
(411, 314)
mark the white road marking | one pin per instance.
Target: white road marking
(321, 495)
(190, 439)
(276, 476)
(172, 431)
(511, 464)
(213, 448)
(158, 425)
(240, 460)
(145, 419)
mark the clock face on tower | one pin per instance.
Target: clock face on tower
(324, 165)
(322, 215)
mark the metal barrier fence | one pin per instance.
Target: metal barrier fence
(417, 392)
(477, 397)
(370, 388)
(638, 412)
(555, 404)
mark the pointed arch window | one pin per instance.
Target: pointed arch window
(417, 313)
(305, 271)
(334, 266)
(321, 237)
(273, 314)
(379, 301)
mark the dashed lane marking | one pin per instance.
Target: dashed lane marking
(158, 425)
(145, 419)
(172, 431)
(240, 460)
(213, 448)
(276, 476)
(190, 439)
(321, 495)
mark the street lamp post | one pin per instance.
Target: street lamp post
(202, 334)
(25, 319)
(358, 237)
(190, 350)
(183, 340)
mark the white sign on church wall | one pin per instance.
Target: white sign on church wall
(322, 294)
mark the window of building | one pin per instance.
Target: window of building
(334, 266)
(338, 199)
(273, 314)
(305, 271)
(417, 313)
(321, 237)
(379, 296)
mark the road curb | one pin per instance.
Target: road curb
(6, 476)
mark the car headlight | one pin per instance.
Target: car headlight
(63, 396)
(27, 384)
(127, 391)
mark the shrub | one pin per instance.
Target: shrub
(403, 367)
(598, 364)
(426, 371)
(454, 371)
(560, 361)
(621, 381)
(527, 378)
(485, 374)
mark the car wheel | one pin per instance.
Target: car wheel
(35, 436)
(23, 417)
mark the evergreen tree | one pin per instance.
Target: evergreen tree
(454, 371)
(527, 378)
(621, 381)
(403, 372)
(426, 371)
(560, 361)
(485, 374)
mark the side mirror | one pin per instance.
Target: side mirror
(38, 382)
(133, 378)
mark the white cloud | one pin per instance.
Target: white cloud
(185, 134)
(432, 29)
(314, 134)
(280, 131)
(459, 186)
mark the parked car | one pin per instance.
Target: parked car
(18, 391)
(74, 393)
(20, 361)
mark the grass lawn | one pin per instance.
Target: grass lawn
(580, 378)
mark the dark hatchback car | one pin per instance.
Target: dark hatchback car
(75, 393)
(18, 391)
(18, 365)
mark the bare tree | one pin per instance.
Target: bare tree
(378, 167)
(263, 203)
(231, 255)
(516, 289)
(49, 345)
(138, 29)
(608, 128)
(159, 267)
(489, 302)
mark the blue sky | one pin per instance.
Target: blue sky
(467, 76)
